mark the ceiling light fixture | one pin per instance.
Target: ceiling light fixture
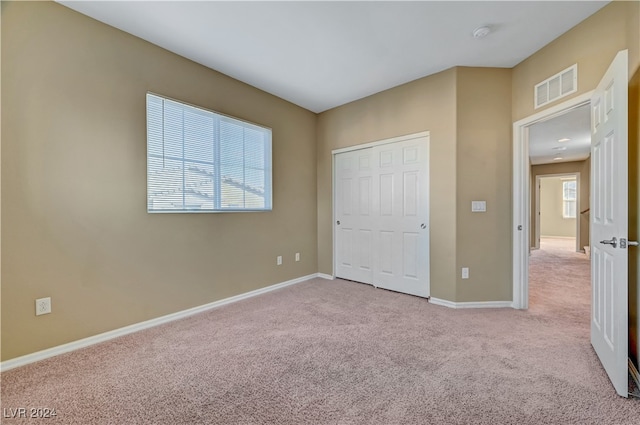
(481, 32)
(560, 148)
(563, 140)
(557, 158)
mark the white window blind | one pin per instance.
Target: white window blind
(569, 199)
(200, 161)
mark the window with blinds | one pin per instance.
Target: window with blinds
(200, 161)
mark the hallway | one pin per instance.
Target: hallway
(560, 281)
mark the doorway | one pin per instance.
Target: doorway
(557, 212)
(559, 270)
(523, 233)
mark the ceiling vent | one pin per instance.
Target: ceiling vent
(555, 87)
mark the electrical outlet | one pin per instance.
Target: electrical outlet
(279, 260)
(297, 256)
(43, 306)
(465, 272)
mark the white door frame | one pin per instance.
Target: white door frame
(521, 194)
(537, 211)
(334, 152)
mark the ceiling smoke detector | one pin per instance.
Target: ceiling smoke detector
(481, 32)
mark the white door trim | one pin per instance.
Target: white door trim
(521, 195)
(537, 211)
(380, 142)
(334, 152)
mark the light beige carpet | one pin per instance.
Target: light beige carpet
(337, 352)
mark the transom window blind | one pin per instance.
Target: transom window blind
(200, 161)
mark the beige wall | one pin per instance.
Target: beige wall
(74, 218)
(425, 104)
(582, 167)
(475, 105)
(483, 172)
(592, 44)
(552, 222)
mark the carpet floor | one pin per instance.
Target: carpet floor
(338, 352)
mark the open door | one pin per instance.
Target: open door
(609, 221)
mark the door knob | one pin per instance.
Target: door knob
(424, 226)
(338, 222)
(613, 242)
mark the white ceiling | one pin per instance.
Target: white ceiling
(574, 125)
(320, 55)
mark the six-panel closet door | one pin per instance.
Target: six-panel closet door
(382, 215)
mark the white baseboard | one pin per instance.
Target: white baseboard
(85, 342)
(471, 304)
(325, 276)
(443, 303)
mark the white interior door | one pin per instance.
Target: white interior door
(609, 327)
(401, 205)
(353, 213)
(382, 215)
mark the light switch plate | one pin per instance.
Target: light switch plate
(478, 206)
(465, 272)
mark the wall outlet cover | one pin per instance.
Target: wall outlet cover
(43, 306)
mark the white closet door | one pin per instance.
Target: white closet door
(353, 214)
(382, 215)
(401, 205)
